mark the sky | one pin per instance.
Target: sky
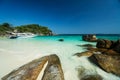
(64, 16)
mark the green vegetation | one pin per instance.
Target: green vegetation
(33, 28)
(5, 27)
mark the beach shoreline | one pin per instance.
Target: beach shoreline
(17, 52)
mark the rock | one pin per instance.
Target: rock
(90, 38)
(109, 63)
(86, 53)
(107, 44)
(53, 70)
(116, 46)
(86, 45)
(104, 51)
(31, 71)
(28, 71)
(93, 60)
(92, 77)
(83, 75)
(92, 49)
(110, 52)
(61, 40)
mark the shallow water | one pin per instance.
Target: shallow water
(16, 52)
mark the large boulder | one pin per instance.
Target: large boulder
(28, 71)
(109, 63)
(89, 37)
(53, 70)
(32, 70)
(107, 44)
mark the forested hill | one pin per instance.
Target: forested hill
(33, 28)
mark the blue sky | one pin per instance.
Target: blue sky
(64, 16)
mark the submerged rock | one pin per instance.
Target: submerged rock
(53, 70)
(28, 71)
(109, 63)
(92, 77)
(31, 71)
(83, 75)
(61, 40)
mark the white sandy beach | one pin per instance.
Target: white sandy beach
(15, 53)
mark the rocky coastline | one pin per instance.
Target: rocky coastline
(106, 55)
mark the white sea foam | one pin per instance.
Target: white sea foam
(14, 53)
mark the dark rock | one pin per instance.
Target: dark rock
(86, 45)
(101, 43)
(89, 37)
(92, 77)
(110, 52)
(117, 46)
(93, 60)
(109, 63)
(61, 40)
(107, 44)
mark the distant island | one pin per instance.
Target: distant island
(32, 28)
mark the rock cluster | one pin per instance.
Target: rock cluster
(108, 44)
(102, 43)
(106, 55)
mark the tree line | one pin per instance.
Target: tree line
(33, 28)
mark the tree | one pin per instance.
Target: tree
(33, 28)
(6, 25)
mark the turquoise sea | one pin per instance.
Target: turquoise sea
(17, 52)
